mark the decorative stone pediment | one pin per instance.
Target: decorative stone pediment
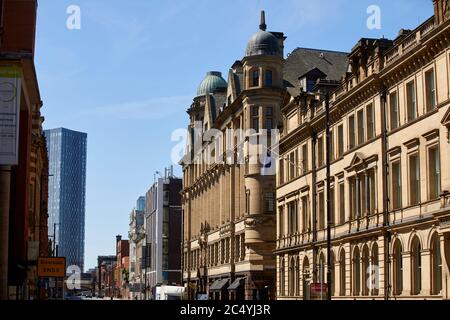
(358, 158)
(446, 120)
(357, 162)
(360, 162)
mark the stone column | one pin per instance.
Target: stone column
(222, 197)
(285, 276)
(444, 240)
(407, 285)
(299, 216)
(336, 277)
(285, 221)
(367, 193)
(348, 269)
(348, 194)
(361, 273)
(372, 283)
(358, 198)
(426, 272)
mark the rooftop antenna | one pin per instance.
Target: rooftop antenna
(155, 174)
(263, 25)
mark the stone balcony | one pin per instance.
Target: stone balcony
(409, 42)
(445, 199)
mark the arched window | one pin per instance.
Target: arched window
(366, 271)
(292, 277)
(268, 78)
(416, 266)
(322, 275)
(398, 267)
(374, 267)
(356, 272)
(282, 277)
(255, 78)
(342, 282)
(436, 261)
(306, 277)
(322, 269)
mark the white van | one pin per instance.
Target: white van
(165, 292)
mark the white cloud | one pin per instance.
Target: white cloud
(151, 109)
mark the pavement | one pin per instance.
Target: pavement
(98, 299)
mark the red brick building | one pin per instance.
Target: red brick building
(122, 267)
(23, 184)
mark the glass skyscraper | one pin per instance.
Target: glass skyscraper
(140, 204)
(67, 192)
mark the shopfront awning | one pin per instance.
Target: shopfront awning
(236, 284)
(218, 285)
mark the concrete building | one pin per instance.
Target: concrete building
(161, 255)
(67, 150)
(137, 242)
(23, 155)
(389, 155)
(228, 197)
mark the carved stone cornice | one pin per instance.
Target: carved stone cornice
(259, 220)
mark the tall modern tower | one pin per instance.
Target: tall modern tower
(67, 192)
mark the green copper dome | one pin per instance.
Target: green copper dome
(211, 83)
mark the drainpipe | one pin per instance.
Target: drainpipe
(385, 184)
(314, 205)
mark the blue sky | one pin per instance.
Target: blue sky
(128, 75)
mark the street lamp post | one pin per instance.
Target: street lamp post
(326, 96)
(55, 254)
(54, 246)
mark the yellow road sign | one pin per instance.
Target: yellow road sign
(52, 267)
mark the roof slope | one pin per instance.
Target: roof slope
(302, 60)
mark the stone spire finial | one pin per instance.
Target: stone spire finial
(263, 25)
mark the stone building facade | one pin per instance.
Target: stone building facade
(228, 200)
(136, 235)
(389, 180)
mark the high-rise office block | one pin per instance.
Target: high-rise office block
(162, 219)
(67, 191)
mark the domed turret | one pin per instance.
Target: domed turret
(263, 42)
(212, 82)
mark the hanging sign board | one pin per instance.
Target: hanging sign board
(318, 291)
(10, 92)
(52, 267)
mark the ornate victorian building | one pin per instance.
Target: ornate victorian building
(137, 243)
(389, 156)
(228, 199)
